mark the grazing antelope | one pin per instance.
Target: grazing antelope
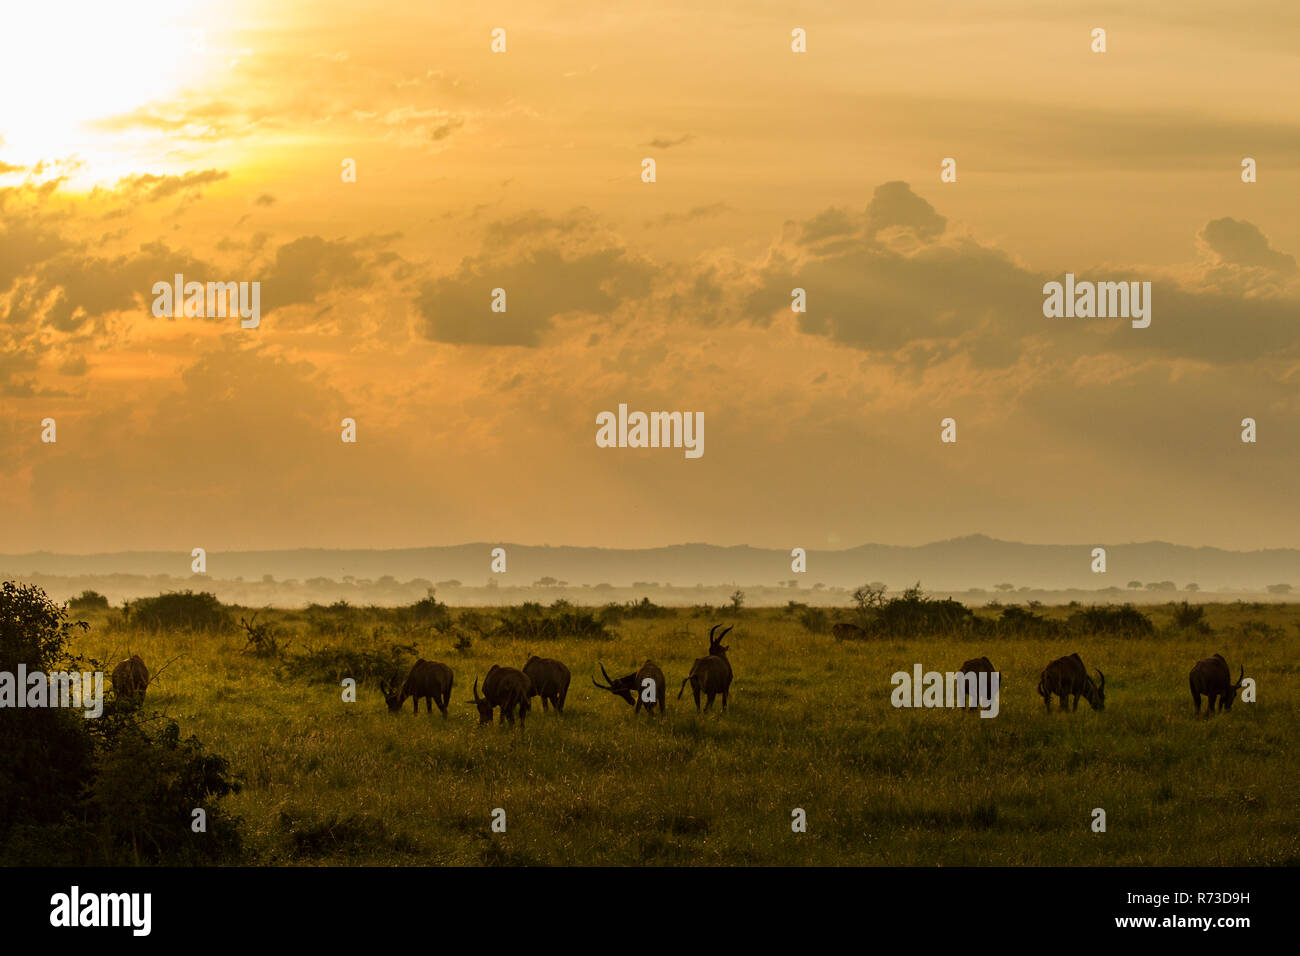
(976, 666)
(1067, 676)
(631, 687)
(712, 674)
(843, 631)
(550, 681)
(1212, 678)
(503, 687)
(131, 679)
(428, 679)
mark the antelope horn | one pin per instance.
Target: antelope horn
(476, 697)
(602, 686)
(1102, 685)
(711, 630)
(725, 633)
(1240, 677)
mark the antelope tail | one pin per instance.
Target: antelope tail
(683, 690)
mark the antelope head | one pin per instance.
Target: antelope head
(483, 704)
(622, 687)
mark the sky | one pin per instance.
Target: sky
(143, 139)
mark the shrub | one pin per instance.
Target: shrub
(913, 614)
(1190, 617)
(815, 619)
(364, 664)
(428, 612)
(1122, 621)
(88, 601)
(179, 611)
(113, 790)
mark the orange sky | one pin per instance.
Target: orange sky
(148, 138)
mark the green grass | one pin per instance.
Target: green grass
(810, 726)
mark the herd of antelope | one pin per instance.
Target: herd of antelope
(510, 690)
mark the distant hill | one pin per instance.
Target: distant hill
(975, 561)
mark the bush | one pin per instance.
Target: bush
(88, 601)
(913, 615)
(1016, 621)
(1122, 621)
(106, 791)
(179, 611)
(815, 619)
(1190, 617)
(645, 608)
(428, 612)
(364, 664)
(529, 622)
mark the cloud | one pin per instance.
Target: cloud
(156, 188)
(541, 285)
(308, 267)
(666, 142)
(1237, 242)
(893, 279)
(894, 204)
(694, 214)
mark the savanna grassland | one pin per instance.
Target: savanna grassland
(810, 726)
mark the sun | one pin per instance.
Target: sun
(67, 65)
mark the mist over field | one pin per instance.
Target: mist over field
(977, 569)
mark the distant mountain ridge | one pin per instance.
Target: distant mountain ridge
(973, 561)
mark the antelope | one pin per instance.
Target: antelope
(632, 686)
(550, 682)
(843, 631)
(428, 679)
(1212, 678)
(1067, 676)
(503, 687)
(131, 679)
(978, 665)
(711, 674)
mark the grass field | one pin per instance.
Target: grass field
(810, 726)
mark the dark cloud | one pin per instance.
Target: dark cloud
(894, 204)
(310, 266)
(540, 284)
(1241, 243)
(934, 297)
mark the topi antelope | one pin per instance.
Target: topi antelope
(503, 687)
(428, 679)
(550, 681)
(1212, 678)
(632, 687)
(843, 631)
(976, 666)
(710, 675)
(131, 679)
(1066, 676)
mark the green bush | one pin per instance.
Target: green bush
(1122, 621)
(363, 663)
(113, 790)
(88, 601)
(179, 611)
(815, 619)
